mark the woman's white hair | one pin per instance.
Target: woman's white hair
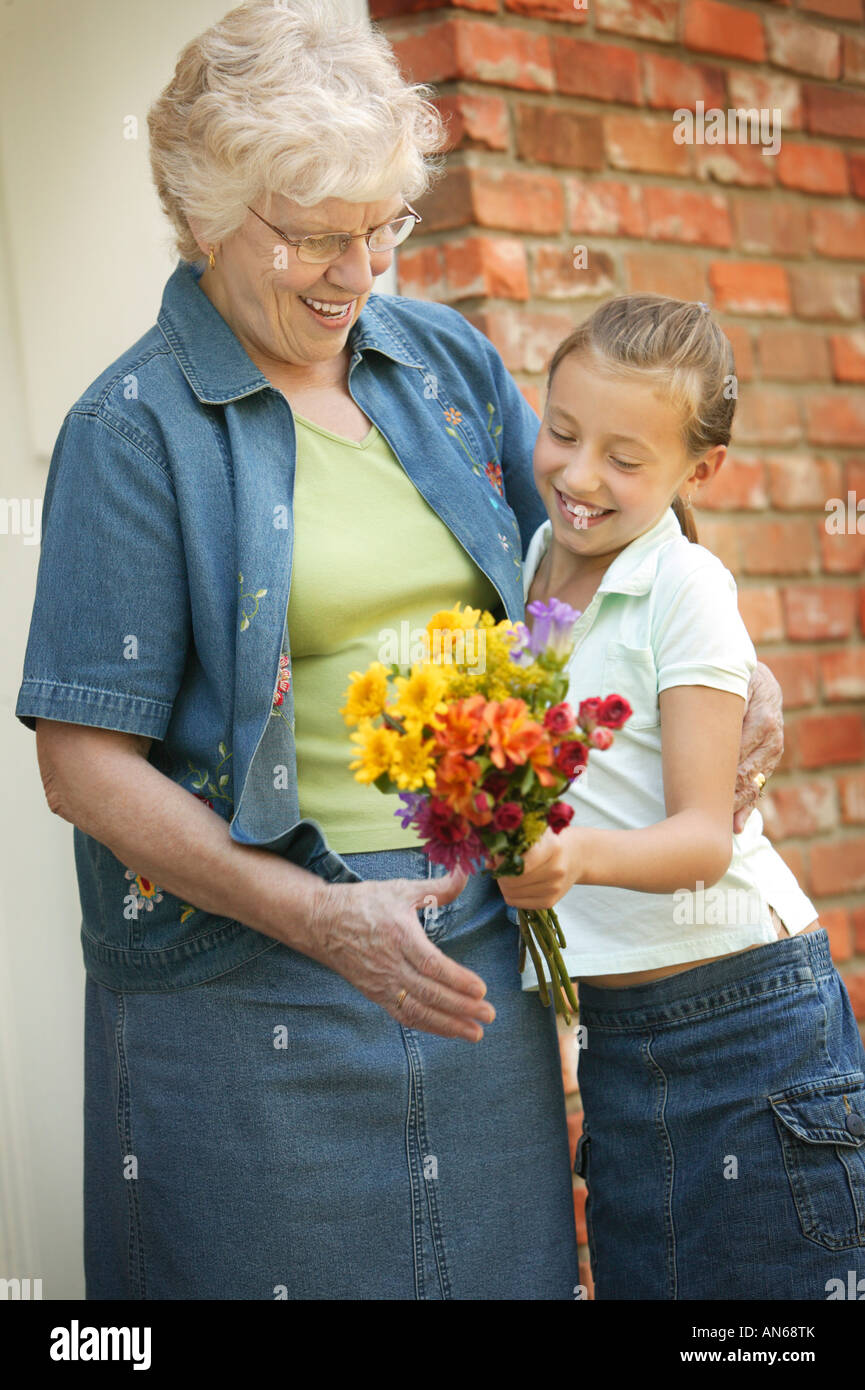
(287, 97)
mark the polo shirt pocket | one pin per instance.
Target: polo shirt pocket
(630, 672)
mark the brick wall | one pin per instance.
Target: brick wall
(561, 125)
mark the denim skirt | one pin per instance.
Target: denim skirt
(273, 1134)
(723, 1144)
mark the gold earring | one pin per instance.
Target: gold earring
(211, 259)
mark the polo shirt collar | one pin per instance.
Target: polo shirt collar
(634, 568)
(211, 357)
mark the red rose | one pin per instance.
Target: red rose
(559, 719)
(601, 737)
(614, 711)
(571, 757)
(508, 816)
(589, 711)
(559, 815)
(496, 783)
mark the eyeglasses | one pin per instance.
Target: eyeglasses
(328, 246)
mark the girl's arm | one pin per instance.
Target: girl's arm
(700, 732)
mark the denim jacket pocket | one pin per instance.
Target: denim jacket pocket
(821, 1126)
(630, 671)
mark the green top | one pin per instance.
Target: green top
(372, 562)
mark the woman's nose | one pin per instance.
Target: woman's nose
(357, 267)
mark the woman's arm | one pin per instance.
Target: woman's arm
(700, 732)
(101, 781)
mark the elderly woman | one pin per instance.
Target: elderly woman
(278, 474)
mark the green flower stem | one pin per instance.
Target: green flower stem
(539, 970)
(542, 923)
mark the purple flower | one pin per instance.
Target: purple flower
(413, 803)
(553, 627)
(521, 652)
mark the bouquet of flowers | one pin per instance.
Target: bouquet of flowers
(480, 744)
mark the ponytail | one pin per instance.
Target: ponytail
(685, 518)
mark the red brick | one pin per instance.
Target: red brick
(833, 111)
(475, 120)
(645, 145)
(855, 985)
(526, 341)
(792, 354)
(812, 168)
(778, 547)
(800, 809)
(795, 861)
(421, 272)
(674, 214)
(513, 200)
(796, 673)
(386, 9)
(848, 356)
(774, 225)
(453, 49)
(600, 71)
(546, 135)
(851, 789)
(801, 47)
(767, 416)
(814, 612)
(764, 92)
(735, 164)
(835, 9)
(555, 276)
(575, 1129)
(835, 419)
(714, 28)
(830, 738)
(674, 85)
(568, 1055)
(839, 232)
(721, 538)
(738, 485)
(836, 920)
(856, 166)
(762, 614)
(821, 293)
(843, 674)
(606, 208)
(857, 919)
(838, 868)
(481, 265)
(641, 19)
(533, 396)
(750, 287)
(580, 1213)
(841, 552)
(862, 610)
(565, 10)
(739, 337)
(854, 58)
(664, 272)
(798, 482)
(855, 478)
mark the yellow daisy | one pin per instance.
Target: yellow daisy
(376, 749)
(367, 694)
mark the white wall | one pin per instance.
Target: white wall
(84, 254)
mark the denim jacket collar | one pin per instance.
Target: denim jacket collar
(214, 361)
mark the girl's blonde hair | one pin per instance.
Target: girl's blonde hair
(676, 343)
(290, 98)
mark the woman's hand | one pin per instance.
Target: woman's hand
(370, 934)
(762, 741)
(552, 866)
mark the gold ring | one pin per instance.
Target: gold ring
(400, 999)
(759, 779)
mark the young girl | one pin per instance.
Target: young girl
(721, 1069)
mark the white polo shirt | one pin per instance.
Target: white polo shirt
(664, 614)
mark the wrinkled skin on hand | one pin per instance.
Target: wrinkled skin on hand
(762, 741)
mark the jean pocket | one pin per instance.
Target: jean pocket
(821, 1125)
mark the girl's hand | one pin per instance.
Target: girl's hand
(552, 866)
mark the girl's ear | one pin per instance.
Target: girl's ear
(708, 465)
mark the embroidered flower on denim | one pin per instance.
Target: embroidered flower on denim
(143, 891)
(254, 597)
(215, 782)
(283, 683)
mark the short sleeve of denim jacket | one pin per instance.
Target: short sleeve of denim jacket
(110, 624)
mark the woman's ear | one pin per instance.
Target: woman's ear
(195, 228)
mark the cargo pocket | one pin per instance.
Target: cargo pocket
(821, 1126)
(581, 1168)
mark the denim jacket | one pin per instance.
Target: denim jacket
(165, 567)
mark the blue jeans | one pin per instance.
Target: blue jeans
(724, 1130)
(272, 1133)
